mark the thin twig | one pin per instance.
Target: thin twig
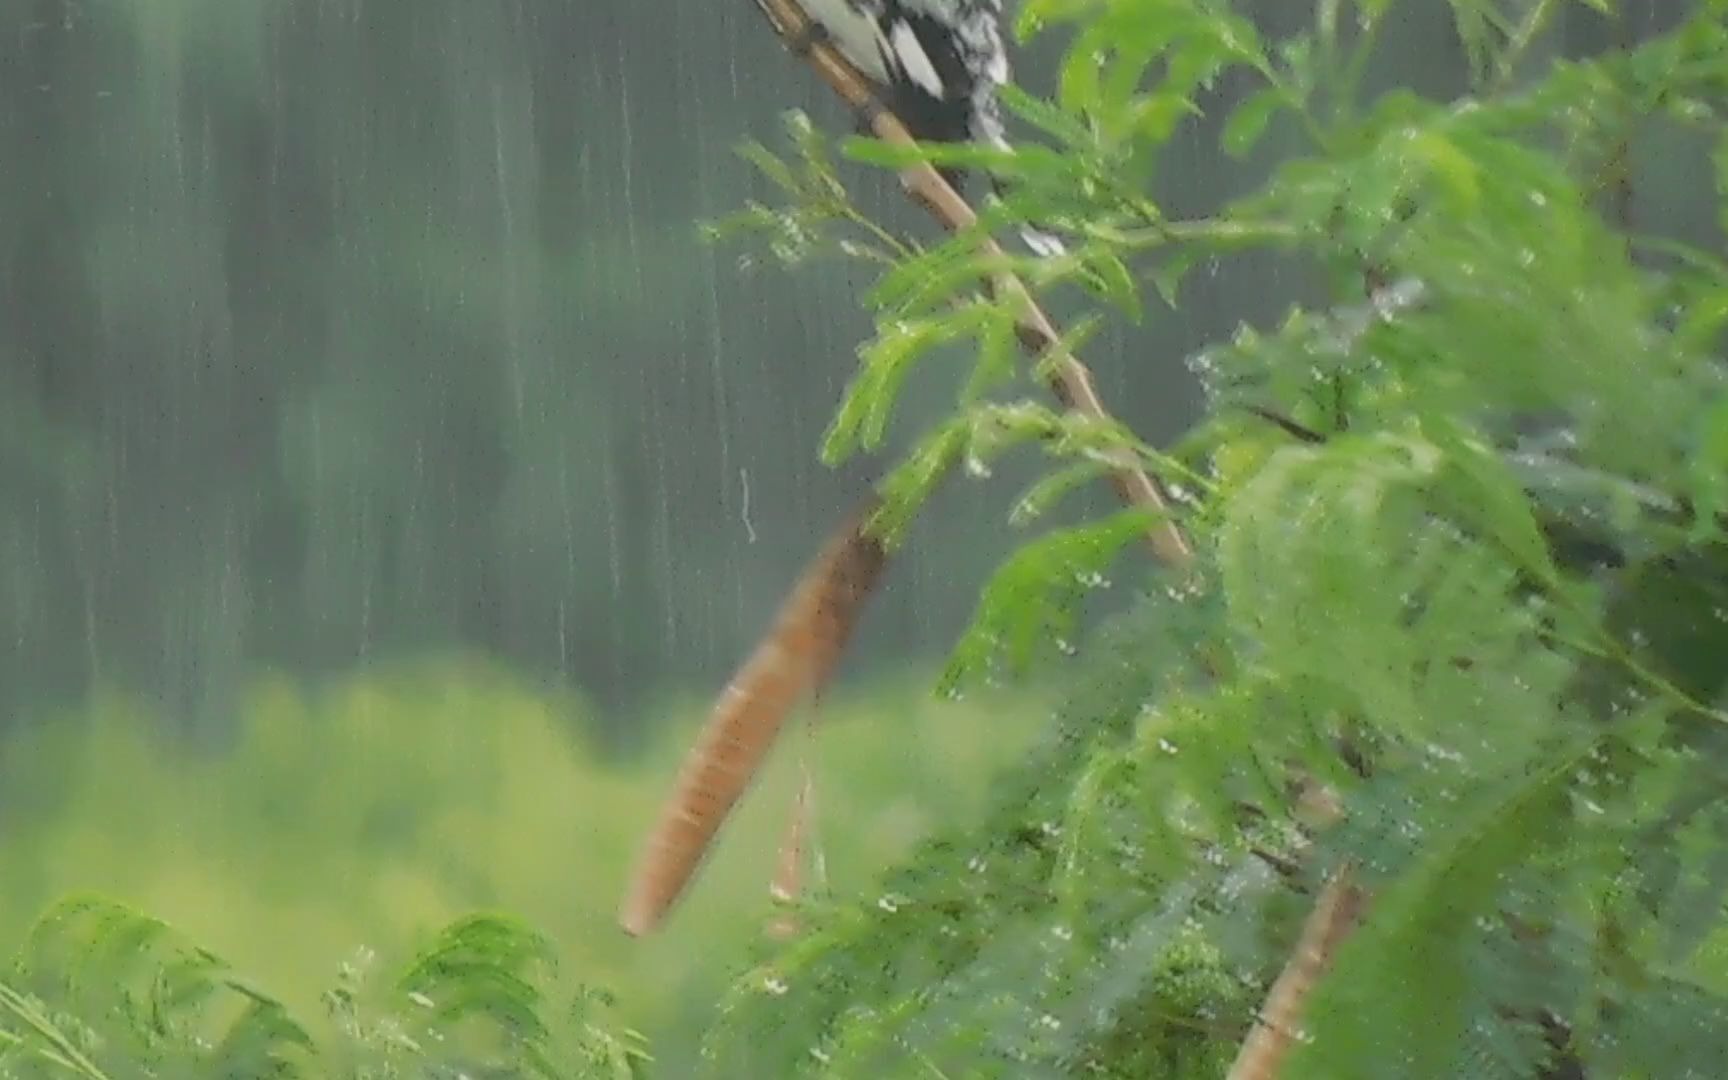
(796, 847)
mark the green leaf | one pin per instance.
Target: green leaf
(1423, 921)
(1057, 122)
(1109, 277)
(1168, 275)
(1247, 122)
(1029, 604)
(1709, 470)
(906, 488)
(1068, 345)
(1052, 488)
(1479, 489)
(769, 164)
(862, 419)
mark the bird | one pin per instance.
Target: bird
(937, 65)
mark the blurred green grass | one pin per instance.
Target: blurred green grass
(367, 813)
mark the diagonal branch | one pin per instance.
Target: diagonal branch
(800, 650)
(1278, 1027)
(1070, 379)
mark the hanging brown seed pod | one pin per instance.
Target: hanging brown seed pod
(794, 659)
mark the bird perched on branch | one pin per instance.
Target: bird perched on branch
(937, 65)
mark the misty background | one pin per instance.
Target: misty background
(338, 330)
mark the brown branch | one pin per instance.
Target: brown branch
(797, 656)
(1278, 1027)
(800, 651)
(1338, 911)
(1070, 380)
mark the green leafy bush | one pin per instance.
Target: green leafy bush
(1461, 573)
(104, 992)
(351, 827)
(1460, 568)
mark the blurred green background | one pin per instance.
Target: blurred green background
(389, 474)
(368, 812)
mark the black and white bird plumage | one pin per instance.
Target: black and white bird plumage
(937, 65)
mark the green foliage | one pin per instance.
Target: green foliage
(1461, 573)
(103, 992)
(376, 811)
(1461, 562)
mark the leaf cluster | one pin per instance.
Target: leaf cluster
(1460, 586)
(103, 992)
